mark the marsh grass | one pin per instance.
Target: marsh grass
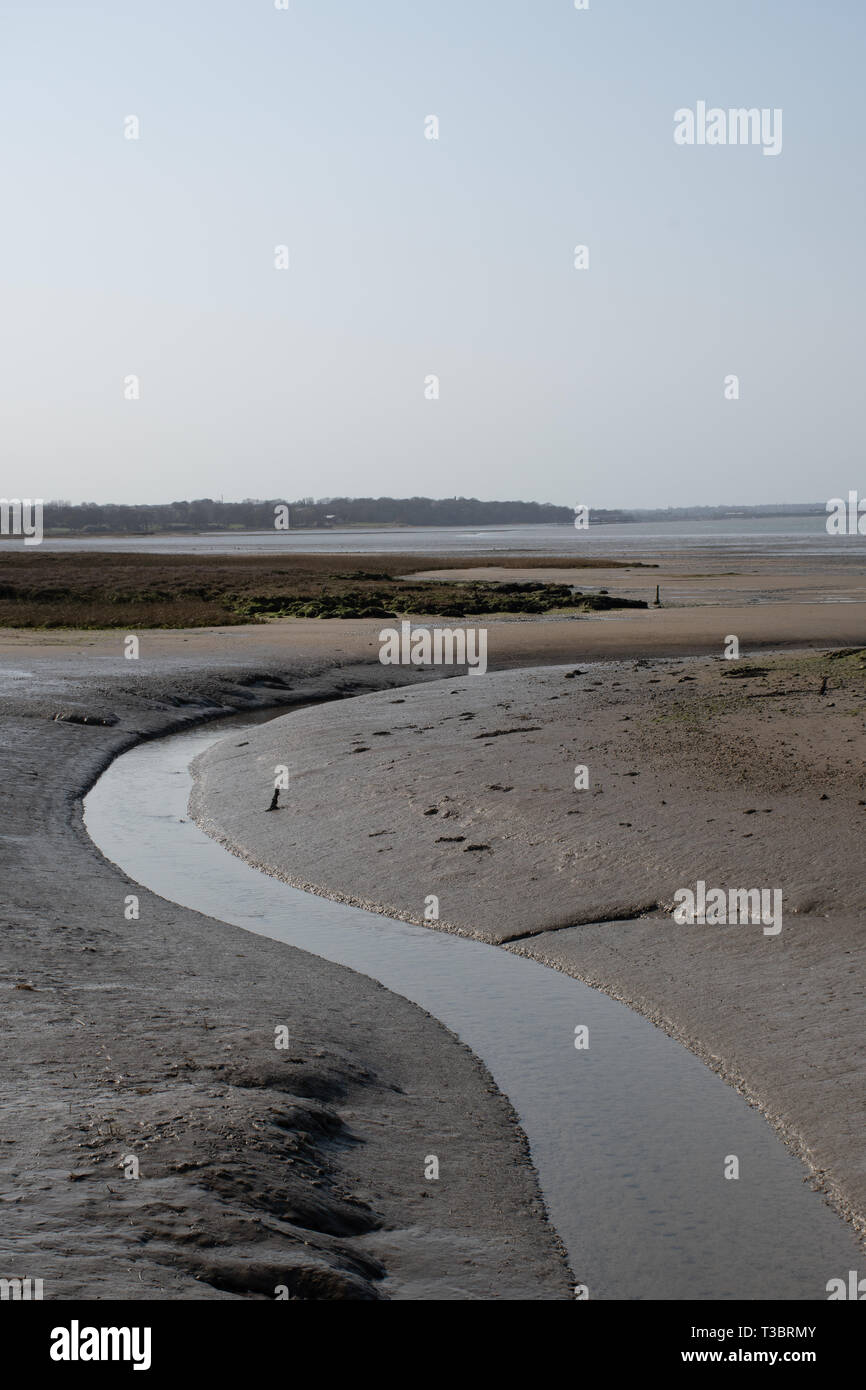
(94, 590)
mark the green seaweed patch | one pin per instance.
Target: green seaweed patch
(432, 599)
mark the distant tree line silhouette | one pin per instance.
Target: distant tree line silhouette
(205, 514)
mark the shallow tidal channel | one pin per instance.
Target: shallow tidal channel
(629, 1136)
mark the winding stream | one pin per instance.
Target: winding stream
(629, 1137)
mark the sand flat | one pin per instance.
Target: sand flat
(153, 1038)
(511, 641)
(464, 789)
(730, 760)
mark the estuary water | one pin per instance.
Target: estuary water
(749, 536)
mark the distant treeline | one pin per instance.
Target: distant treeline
(205, 514)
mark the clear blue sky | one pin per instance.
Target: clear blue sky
(262, 127)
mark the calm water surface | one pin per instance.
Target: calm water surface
(791, 536)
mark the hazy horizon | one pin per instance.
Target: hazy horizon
(384, 497)
(262, 128)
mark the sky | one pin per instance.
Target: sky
(409, 258)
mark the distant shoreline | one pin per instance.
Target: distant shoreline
(615, 519)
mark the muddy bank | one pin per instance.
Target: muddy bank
(739, 774)
(148, 1044)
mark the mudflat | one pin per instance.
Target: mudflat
(148, 1045)
(741, 775)
(153, 1038)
